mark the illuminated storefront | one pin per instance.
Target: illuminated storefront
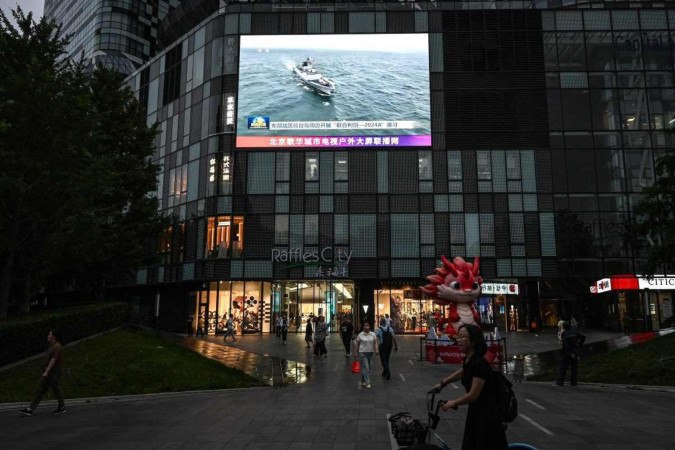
(638, 303)
(409, 308)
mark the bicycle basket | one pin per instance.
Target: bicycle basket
(407, 430)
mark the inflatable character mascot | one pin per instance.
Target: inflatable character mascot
(458, 285)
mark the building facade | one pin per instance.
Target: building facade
(119, 34)
(543, 127)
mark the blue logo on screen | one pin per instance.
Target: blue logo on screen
(258, 122)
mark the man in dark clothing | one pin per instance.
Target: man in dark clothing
(51, 377)
(346, 332)
(572, 341)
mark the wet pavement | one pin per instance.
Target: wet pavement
(271, 370)
(276, 364)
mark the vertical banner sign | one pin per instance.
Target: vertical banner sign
(226, 169)
(230, 55)
(212, 169)
(229, 107)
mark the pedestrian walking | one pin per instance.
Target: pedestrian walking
(284, 330)
(390, 323)
(386, 342)
(572, 341)
(229, 327)
(51, 376)
(278, 324)
(320, 338)
(190, 324)
(200, 326)
(483, 428)
(346, 332)
(366, 345)
(308, 333)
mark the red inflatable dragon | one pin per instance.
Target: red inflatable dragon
(456, 284)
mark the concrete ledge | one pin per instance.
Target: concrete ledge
(635, 387)
(125, 398)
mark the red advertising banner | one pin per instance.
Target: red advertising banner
(441, 351)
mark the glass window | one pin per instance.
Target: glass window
(424, 165)
(198, 71)
(600, 48)
(260, 178)
(341, 168)
(311, 229)
(225, 237)
(454, 165)
(484, 165)
(312, 167)
(281, 229)
(341, 231)
(404, 236)
(362, 235)
(571, 52)
(513, 165)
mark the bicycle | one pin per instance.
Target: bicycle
(433, 419)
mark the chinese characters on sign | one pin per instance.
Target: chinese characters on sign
(229, 112)
(331, 272)
(226, 168)
(228, 108)
(499, 288)
(356, 141)
(212, 169)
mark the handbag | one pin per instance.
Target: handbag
(356, 367)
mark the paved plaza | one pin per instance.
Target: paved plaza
(331, 411)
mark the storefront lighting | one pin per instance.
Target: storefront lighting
(342, 290)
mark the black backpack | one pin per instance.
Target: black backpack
(507, 404)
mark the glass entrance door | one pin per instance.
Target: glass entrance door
(302, 301)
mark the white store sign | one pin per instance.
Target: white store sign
(657, 283)
(500, 288)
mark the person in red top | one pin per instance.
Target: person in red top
(51, 377)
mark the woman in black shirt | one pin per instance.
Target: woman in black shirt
(483, 429)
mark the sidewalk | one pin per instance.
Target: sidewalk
(333, 411)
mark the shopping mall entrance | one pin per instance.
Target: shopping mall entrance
(302, 300)
(255, 305)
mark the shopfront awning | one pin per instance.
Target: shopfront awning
(633, 283)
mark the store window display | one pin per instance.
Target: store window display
(244, 300)
(410, 310)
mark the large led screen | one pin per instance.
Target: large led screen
(349, 90)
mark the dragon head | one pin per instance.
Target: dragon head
(457, 281)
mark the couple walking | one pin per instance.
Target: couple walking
(368, 343)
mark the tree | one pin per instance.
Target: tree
(44, 112)
(118, 218)
(76, 173)
(655, 218)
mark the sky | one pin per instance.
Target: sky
(27, 5)
(355, 42)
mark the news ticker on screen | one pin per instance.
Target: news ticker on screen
(334, 141)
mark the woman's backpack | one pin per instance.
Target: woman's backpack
(507, 404)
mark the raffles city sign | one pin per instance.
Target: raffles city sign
(326, 255)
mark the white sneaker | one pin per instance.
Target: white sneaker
(368, 386)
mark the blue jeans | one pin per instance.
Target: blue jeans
(366, 359)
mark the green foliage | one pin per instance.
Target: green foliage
(651, 363)
(125, 362)
(655, 222)
(76, 177)
(27, 335)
